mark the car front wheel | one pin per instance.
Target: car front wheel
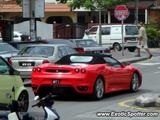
(98, 89)
(134, 83)
(23, 102)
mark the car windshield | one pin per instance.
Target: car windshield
(131, 30)
(6, 48)
(86, 43)
(37, 51)
(93, 30)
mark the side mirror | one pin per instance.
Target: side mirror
(86, 31)
(125, 64)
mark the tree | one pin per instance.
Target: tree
(93, 4)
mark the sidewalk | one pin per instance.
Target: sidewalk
(128, 56)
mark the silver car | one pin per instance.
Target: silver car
(89, 46)
(6, 50)
(34, 55)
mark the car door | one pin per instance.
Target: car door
(106, 33)
(6, 83)
(119, 74)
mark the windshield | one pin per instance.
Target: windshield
(93, 30)
(131, 30)
(37, 51)
(7, 48)
(86, 43)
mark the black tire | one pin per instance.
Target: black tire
(131, 49)
(117, 47)
(135, 82)
(23, 102)
(98, 89)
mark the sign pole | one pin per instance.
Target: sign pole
(122, 22)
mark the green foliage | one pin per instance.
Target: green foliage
(93, 4)
(152, 32)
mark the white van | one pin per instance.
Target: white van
(112, 37)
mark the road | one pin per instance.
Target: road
(83, 108)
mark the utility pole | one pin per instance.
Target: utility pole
(136, 11)
(100, 27)
(32, 20)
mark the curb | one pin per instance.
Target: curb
(134, 60)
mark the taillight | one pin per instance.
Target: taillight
(77, 70)
(10, 61)
(83, 70)
(80, 50)
(45, 61)
(36, 69)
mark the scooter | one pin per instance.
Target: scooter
(45, 102)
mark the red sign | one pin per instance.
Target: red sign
(121, 12)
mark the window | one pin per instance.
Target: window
(70, 50)
(4, 69)
(93, 30)
(63, 51)
(106, 30)
(131, 30)
(81, 59)
(112, 62)
(38, 51)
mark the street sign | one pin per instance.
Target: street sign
(121, 12)
(33, 8)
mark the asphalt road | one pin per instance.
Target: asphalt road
(121, 103)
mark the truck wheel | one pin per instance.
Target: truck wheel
(131, 49)
(117, 47)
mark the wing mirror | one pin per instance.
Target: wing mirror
(86, 31)
(125, 63)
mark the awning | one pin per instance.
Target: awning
(141, 4)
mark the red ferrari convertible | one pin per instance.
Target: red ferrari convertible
(92, 74)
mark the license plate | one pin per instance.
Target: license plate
(56, 81)
(26, 64)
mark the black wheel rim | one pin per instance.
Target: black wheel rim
(23, 102)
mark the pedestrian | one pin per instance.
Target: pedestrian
(142, 40)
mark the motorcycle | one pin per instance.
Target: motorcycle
(45, 102)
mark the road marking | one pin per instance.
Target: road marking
(158, 72)
(126, 105)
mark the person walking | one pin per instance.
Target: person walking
(142, 40)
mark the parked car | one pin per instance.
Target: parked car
(7, 51)
(33, 55)
(12, 91)
(89, 46)
(112, 35)
(92, 74)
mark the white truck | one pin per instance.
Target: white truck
(112, 36)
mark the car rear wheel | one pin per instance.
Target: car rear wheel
(134, 83)
(23, 102)
(98, 89)
(117, 47)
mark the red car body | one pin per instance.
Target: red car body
(81, 76)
